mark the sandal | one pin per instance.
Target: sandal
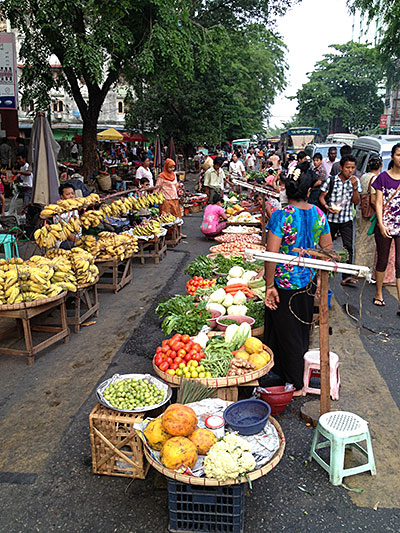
(381, 303)
(350, 282)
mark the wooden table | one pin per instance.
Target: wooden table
(120, 273)
(174, 236)
(153, 249)
(24, 328)
(86, 304)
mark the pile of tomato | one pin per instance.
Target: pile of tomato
(197, 282)
(175, 354)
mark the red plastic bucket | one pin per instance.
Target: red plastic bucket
(277, 398)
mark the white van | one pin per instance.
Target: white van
(341, 138)
(365, 147)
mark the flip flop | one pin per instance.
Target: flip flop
(381, 304)
(349, 282)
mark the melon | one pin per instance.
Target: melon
(155, 434)
(203, 439)
(179, 420)
(177, 452)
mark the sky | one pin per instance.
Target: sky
(307, 30)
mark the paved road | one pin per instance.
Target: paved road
(45, 463)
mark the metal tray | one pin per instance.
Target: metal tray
(121, 377)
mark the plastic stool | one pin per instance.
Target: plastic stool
(342, 429)
(312, 368)
(10, 243)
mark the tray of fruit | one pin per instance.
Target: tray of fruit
(133, 393)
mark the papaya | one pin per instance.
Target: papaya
(179, 420)
(177, 452)
(203, 439)
(253, 345)
(155, 434)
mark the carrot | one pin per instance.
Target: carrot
(235, 286)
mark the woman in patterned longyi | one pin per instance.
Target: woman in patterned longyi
(290, 288)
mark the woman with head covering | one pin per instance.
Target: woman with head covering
(168, 185)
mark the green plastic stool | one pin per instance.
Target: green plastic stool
(342, 429)
(10, 243)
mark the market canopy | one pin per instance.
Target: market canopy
(138, 137)
(110, 135)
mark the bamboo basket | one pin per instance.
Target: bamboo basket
(231, 381)
(35, 303)
(208, 482)
(104, 182)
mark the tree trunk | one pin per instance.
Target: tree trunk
(89, 143)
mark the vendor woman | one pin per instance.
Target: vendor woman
(214, 220)
(168, 185)
(289, 298)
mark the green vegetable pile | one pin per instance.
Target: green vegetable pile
(132, 393)
(182, 316)
(224, 264)
(256, 309)
(202, 266)
(228, 321)
(217, 357)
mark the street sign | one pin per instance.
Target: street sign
(395, 129)
(383, 122)
(8, 72)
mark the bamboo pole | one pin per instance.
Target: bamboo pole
(325, 398)
(264, 234)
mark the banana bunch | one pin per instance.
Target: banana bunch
(110, 245)
(92, 218)
(64, 206)
(47, 236)
(83, 266)
(148, 227)
(89, 244)
(166, 218)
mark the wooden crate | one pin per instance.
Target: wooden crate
(174, 236)
(116, 448)
(114, 274)
(153, 249)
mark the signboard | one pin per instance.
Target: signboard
(383, 122)
(8, 72)
(303, 131)
(395, 129)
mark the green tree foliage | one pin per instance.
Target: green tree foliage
(344, 86)
(228, 99)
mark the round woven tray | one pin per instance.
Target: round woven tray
(113, 260)
(204, 481)
(86, 285)
(35, 303)
(221, 382)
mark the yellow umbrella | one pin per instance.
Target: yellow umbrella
(111, 135)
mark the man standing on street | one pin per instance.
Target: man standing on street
(214, 179)
(345, 193)
(328, 162)
(275, 160)
(250, 161)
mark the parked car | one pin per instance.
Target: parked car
(321, 148)
(365, 147)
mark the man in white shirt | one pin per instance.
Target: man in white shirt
(25, 175)
(250, 161)
(328, 162)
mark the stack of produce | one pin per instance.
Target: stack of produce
(64, 206)
(230, 237)
(241, 230)
(35, 279)
(166, 218)
(244, 217)
(236, 248)
(180, 355)
(147, 228)
(253, 351)
(47, 236)
(76, 261)
(234, 210)
(229, 458)
(197, 282)
(180, 314)
(109, 245)
(133, 393)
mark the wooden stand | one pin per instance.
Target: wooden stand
(87, 298)
(24, 328)
(120, 274)
(154, 249)
(174, 236)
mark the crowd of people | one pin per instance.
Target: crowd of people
(319, 200)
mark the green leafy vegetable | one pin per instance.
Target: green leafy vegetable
(202, 266)
(228, 321)
(256, 309)
(217, 357)
(182, 316)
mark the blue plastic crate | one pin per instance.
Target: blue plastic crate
(205, 509)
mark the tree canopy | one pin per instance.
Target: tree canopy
(344, 88)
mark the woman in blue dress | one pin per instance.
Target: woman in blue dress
(290, 290)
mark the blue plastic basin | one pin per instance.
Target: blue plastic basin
(248, 417)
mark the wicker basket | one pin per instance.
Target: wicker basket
(221, 382)
(104, 181)
(34, 303)
(116, 448)
(193, 480)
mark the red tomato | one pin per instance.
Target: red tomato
(192, 353)
(170, 360)
(178, 359)
(174, 366)
(164, 343)
(158, 359)
(177, 337)
(196, 347)
(181, 345)
(188, 357)
(201, 354)
(185, 339)
(175, 346)
(196, 357)
(164, 366)
(165, 349)
(172, 354)
(189, 346)
(159, 349)
(168, 354)
(182, 353)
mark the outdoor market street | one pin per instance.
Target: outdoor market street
(45, 471)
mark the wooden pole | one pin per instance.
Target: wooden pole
(325, 400)
(263, 235)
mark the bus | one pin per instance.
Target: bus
(295, 139)
(241, 143)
